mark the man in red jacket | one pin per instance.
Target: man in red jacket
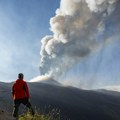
(20, 95)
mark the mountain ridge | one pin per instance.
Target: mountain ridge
(74, 103)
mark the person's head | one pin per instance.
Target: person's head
(20, 76)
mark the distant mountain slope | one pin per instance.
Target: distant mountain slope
(75, 104)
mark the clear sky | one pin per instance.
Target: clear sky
(22, 25)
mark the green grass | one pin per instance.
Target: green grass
(52, 115)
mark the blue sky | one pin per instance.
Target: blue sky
(22, 25)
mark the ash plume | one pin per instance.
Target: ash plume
(79, 28)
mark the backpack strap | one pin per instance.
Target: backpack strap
(23, 87)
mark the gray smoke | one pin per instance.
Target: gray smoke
(79, 28)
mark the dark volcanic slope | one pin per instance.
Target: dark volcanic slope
(74, 103)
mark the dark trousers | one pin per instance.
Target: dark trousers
(25, 102)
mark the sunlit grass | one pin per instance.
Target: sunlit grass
(52, 115)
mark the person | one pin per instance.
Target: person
(20, 93)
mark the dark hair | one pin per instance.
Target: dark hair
(20, 75)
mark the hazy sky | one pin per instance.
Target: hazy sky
(22, 25)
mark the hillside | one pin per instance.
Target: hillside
(73, 103)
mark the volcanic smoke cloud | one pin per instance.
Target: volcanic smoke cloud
(79, 28)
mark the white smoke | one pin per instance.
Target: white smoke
(77, 29)
(102, 5)
(41, 78)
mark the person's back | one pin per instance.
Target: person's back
(20, 94)
(20, 89)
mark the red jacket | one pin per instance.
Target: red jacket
(20, 89)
